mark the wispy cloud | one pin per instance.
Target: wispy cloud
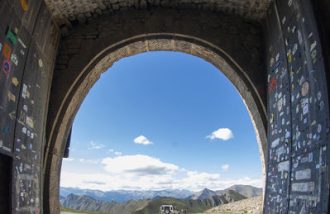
(118, 153)
(142, 140)
(95, 146)
(145, 172)
(137, 165)
(221, 134)
(89, 161)
(225, 167)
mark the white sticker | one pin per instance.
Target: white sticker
(303, 174)
(275, 142)
(303, 187)
(283, 166)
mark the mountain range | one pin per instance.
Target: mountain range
(144, 202)
(147, 206)
(126, 195)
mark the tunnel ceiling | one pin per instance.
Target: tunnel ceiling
(66, 11)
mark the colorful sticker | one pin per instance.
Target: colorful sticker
(6, 51)
(272, 85)
(11, 36)
(24, 5)
(6, 67)
(14, 81)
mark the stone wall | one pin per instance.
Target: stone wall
(298, 112)
(28, 45)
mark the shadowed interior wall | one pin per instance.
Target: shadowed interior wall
(5, 181)
(298, 113)
(28, 44)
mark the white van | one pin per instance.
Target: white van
(166, 209)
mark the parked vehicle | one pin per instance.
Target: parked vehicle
(167, 209)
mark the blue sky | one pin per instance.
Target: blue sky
(162, 120)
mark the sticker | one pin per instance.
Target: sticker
(295, 48)
(14, 59)
(6, 51)
(12, 115)
(25, 92)
(24, 5)
(29, 122)
(11, 36)
(272, 84)
(271, 120)
(289, 57)
(303, 174)
(275, 143)
(6, 67)
(14, 81)
(313, 45)
(304, 105)
(303, 187)
(40, 63)
(11, 97)
(280, 104)
(305, 88)
(299, 37)
(22, 43)
(283, 166)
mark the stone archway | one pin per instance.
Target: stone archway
(86, 53)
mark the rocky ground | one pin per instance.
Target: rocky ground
(64, 212)
(249, 206)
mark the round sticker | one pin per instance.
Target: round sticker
(305, 88)
(6, 67)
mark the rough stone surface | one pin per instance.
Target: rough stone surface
(65, 11)
(245, 206)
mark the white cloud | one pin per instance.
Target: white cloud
(221, 134)
(68, 159)
(225, 167)
(192, 180)
(89, 161)
(118, 153)
(138, 165)
(134, 172)
(95, 146)
(142, 140)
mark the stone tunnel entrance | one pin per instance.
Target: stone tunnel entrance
(154, 43)
(276, 54)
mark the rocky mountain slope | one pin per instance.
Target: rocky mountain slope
(206, 201)
(250, 205)
(125, 195)
(246, 190)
